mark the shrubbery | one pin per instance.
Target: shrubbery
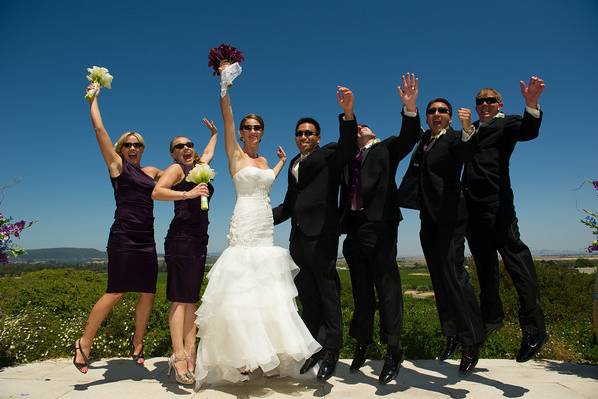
(44, 312)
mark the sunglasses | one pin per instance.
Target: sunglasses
(487, 100)
(306, 133)
(134, 145)
(180, 146)
(255, 128)
(441, 110)
(362, 125)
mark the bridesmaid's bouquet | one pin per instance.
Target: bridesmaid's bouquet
(225, 55)
(100, 76)
(201, 173)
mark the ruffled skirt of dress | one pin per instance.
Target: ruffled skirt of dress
(248, 318)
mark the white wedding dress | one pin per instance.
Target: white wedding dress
(248, 318)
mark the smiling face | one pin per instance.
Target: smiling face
(307, 137)
(488, 104)
(438, 117)
(181, 150)
(251, 131)
(132, 149)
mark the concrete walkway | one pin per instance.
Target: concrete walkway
(121, 378)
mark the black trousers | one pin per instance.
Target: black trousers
(458, 310)
(370, 250)
(493, 227)
(318, 285)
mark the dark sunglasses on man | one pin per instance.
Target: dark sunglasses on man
(306, 133)
(180, 146)
(441, 110)
(134, 145)
(249, 128)
(487, 100)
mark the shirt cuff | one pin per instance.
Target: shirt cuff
(532, 111)
(409, 113)
(465, 136)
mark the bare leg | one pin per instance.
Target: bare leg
(142, 315)
(189, 334)
(98, 313)
(176, 322)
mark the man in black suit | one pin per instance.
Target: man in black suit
(370, 218)
(432, 185)
(311, 201)
(493, 222)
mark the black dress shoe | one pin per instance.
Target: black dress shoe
(392, 365)
(469, 358)
(359, 357)
(328, 365)
(452, 343)
(530, 346)
(309, 363)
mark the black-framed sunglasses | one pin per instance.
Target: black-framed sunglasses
(134, 145)
(306, 133)
(441, 110)
(255, 128)
(487, 100)
(180, 146)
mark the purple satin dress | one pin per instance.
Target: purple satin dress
(132, 259)
(186, 246)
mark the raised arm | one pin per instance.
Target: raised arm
(173, 175)
(465, 148)
(347, 142)
(282, 158)
(208, 152)
(231, 145)
(532, 117)
(410, 125)
(112, 159)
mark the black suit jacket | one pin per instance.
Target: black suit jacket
(486, 177)
(312, 202)
(378, 170)
(432, 181)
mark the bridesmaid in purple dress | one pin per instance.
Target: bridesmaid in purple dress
(132, 260)
(185, 248)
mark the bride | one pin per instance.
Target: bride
(248, 318)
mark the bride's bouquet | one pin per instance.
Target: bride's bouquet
(100, 76)
(225, 55)
(201, 173)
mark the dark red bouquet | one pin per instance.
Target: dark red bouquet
(226, 53)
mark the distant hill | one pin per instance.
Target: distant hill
(61, 255)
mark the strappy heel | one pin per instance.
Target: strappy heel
(183, 378)
(138, 358)
(191, 372)
(82, 367)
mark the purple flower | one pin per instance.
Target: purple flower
(595, 183)
(224, 52)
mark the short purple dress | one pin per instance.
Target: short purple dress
(132, 259)
(186, 246)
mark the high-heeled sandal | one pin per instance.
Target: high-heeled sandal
(138, 358)
(183, 378)
(82, 367)
(190, 372)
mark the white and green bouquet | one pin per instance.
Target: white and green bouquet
(101, 77)
(201, 173)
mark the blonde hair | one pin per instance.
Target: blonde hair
(485, 90)
(121, 140)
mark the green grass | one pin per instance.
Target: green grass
(43, 312)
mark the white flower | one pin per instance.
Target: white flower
(100, 75)
(201, 173)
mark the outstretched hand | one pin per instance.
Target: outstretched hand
(210, 125)
(281, 154)
(531, 92)
(409, 91)
(92, 90)
(345, 99)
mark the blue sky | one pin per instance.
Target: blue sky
(296, 53)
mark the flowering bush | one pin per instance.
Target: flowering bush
(7, 230)
(592, 222)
